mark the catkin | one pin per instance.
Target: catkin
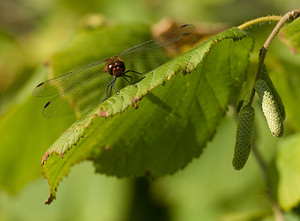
(265, 76)
(270, 108)
(243, 137)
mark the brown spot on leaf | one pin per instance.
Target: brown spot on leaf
(134, 102)
(294, 50)
(102, 114)
(46, 155)
(281, 34)
(47, 64)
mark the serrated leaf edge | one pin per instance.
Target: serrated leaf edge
(107, 108)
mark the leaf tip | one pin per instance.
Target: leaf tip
(50, 199)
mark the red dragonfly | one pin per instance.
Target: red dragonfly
(85, 87)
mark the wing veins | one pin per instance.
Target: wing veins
(159, 42)
(47, 88)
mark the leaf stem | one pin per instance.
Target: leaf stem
(263, 51)
(261, 20)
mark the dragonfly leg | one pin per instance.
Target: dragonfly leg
(113, 84)
(124, 75)
(109, 86)
(133, 72)
(131, 83)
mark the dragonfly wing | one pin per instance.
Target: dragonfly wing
(83, 94)
(85, 87)
(163, 40)
(66, 81)
(151, 54)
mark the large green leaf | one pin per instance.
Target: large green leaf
(169, 127)
(290, 35)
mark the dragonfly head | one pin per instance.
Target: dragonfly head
(115, 67)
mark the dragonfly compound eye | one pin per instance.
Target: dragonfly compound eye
(118, 68)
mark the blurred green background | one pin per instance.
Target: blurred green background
(207, 189)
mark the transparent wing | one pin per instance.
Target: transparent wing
(164, 40)
(67, 81)
(77, 91)
(151, 54)
(80, 98)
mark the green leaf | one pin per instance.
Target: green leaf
(290, 35)
(186, 99)
(289, 172)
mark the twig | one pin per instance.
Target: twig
(263, 51)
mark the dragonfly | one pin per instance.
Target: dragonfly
(83, 88)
